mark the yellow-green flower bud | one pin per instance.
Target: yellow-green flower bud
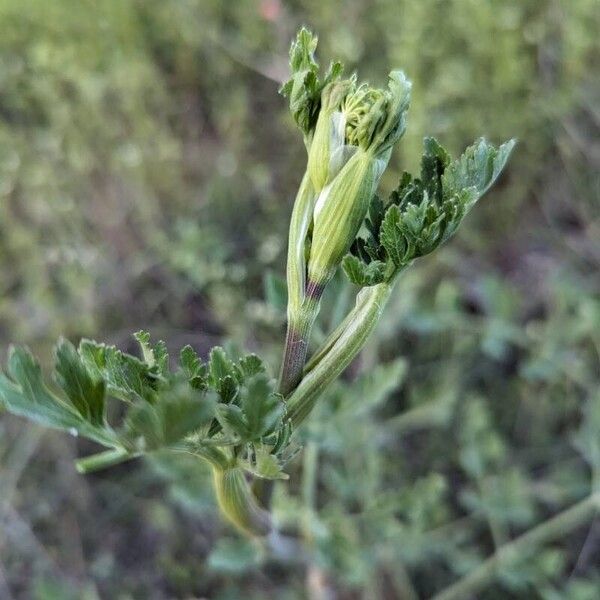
(326, 147)
(339, 211)
(349, 146)
(374, 120)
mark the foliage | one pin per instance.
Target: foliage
(154, 113)
(423, 213)
(194, 409)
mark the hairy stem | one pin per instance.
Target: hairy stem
(109, 458)
(297, 339)
(103, 460)
(552, 529)
(331, 339)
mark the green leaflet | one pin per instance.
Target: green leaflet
(177, 415)
(264, 464)
(251, 365)
(220, 366)
(422, 213)
(397, 247)
(361, 273)
(478, 167)
(263, 408)
(304, 87)
(434, 162)
(85, 391)
(81, 410)
(223, 375)
(259, 413)
(126, 377)
(156, 357)
(194, 369)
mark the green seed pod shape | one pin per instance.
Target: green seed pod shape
(339, 211)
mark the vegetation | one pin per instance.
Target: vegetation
(498, 331)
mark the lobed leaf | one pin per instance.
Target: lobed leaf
(177, 415)
(478, 167)
(24, 393)
(85, 391)
(165, 408)
(304, 87)
(263, 408)
(361, 273)
(396, 246)
(126, 377)
(194, 369)
(265, 464)
(424, 212)
(224, 376)
(156, 357)
(251, 365)
(259, 413)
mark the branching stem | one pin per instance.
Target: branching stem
(370, 302)
(553, 529)
(103, 460)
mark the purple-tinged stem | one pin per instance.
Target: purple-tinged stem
(297, 339)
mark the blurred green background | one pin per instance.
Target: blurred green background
(147, 171)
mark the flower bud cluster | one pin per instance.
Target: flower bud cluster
(348, 146)
(349, 131)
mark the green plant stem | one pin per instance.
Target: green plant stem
(309, 487)
(103, 460)
(337, 332)
(294, 354)
(234, 497)
(370, 302)
(299, 314)
(554, 528)
(216, 457)
(238, 502)
(331, 340)
(109, 458)
(297, 339)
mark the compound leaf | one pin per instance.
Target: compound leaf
(394, 243)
